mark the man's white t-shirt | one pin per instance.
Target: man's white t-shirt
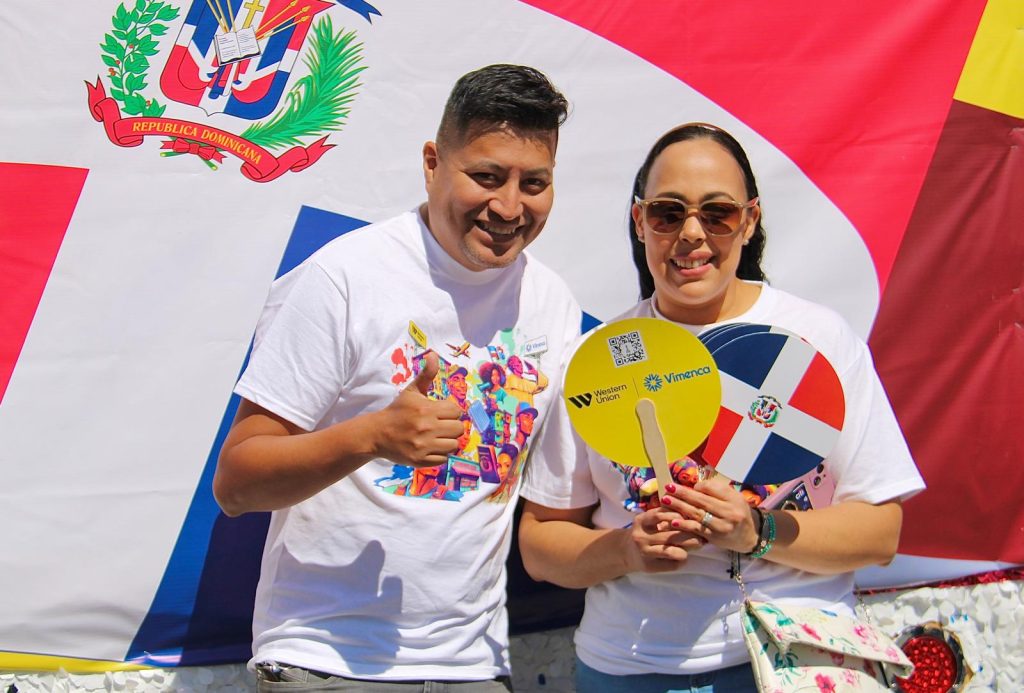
(687, 621)
(394, 573)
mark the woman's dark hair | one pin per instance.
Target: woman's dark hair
(487, 369)
(496, 96)
(750, 256)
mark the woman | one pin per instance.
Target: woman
(661, 610)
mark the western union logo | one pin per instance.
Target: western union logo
(598, 396)
(582, 400)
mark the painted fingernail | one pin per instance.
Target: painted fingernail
(671, 488)
(675, 524)
(665, 500)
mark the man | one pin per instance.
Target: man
(523, 381)
(457, 388)
(364, 585)
(526, 419)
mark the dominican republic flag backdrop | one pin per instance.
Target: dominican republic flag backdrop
(161, 161)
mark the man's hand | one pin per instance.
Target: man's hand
(416, 430)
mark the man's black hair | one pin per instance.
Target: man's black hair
(499, 96)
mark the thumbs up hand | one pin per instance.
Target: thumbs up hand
(425, 378)
(416, 430)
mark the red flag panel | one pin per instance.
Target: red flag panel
(862, 129)
(36, 203)
(949, 342)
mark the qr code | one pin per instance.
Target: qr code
(627, 348)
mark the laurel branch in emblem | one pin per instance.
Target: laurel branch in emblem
(127, 50)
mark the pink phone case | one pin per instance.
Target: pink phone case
(812, 490)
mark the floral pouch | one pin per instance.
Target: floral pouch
(796, 648)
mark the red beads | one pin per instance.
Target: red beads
(935, 665)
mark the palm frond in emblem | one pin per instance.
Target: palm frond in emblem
(320, 101)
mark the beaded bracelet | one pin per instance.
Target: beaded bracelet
(758, 528)
(766, 537)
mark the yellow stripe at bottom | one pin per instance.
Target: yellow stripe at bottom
(18, 661)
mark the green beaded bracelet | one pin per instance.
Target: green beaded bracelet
(766, 539)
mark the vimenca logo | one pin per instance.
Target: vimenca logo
(652, 382)
(583, 400)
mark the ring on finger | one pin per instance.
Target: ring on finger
(706, 520)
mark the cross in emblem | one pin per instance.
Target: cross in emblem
(253, 6)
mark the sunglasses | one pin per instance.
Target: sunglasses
(665, 216)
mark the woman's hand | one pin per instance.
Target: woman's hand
(715, 511)
(657, 543)
(559, 545)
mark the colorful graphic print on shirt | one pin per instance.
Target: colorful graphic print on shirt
(494, 386)
(812, 490)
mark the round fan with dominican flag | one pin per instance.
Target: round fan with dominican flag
(782, 406)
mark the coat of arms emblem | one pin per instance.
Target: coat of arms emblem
(765, 410)
(231, 57)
